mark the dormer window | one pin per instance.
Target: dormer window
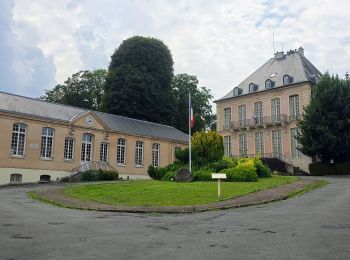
(287, 80)
(269, 84)
(253, 87)
(237, 91)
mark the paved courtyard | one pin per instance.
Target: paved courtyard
(313, 226)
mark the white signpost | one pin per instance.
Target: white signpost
(219, 177)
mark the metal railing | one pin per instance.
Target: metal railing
(257, 121)
(266, 155)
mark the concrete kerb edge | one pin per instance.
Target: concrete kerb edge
(174, 209)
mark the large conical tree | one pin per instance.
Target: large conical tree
(325, 128)
(138, 81)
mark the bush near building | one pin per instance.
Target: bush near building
(99, 175)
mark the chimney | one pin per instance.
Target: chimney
(279, 55)
(301, 51)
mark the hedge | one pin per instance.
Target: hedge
(320, 168)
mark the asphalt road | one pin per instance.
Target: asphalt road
(313, 226)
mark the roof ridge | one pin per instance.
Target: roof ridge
(43, 101)
(130, 118)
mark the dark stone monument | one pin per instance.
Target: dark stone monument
(183, 175)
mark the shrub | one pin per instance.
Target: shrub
(107, 175)
(89, 175)
(156, 173)
(202, 175)
(245, 172)
(182, 155)
(208, 145)
(261, 169)
(275, 164)
(222, 164)
(319, 168)
(169, 176)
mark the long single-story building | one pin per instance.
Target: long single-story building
(42, 141)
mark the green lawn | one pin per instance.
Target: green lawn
(141, 193)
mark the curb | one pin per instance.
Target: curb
(283, 192)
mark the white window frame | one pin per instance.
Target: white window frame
(294, 144)
(259, 143)
(243, 147)
(242, 115)
(121, 151)
(68, 154)
(19, 138)
(258, 112)
(46, 147)
(294, 112)
(227, 118)
(275, 110)
(86, 147)
(104, 152)
(227, 146)
(277, 143)
(139, 153)
(155, 155)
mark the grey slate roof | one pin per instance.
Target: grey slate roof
(293, 63)
(38, 108)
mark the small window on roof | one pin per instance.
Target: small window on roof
(269, 84)
(253, 87)
(287, 80)
(237, 91)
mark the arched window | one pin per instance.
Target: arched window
(287, 80)
(86, 148)
(46, 143)
(155, 155)
(139, 153)
(18, 142)
(253, 87)
(269, 84)
(15, 178)
(121, 149)
(237, 91)
(45, 178)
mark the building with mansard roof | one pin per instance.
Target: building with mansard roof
(259, 116)
(47, 141)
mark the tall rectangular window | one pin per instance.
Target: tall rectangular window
(104, 152)
(276, 143)
(46, 143)
(294, 142)
(227, 145)
(227, 118)
(258, 112)
(155, 155)
(68, 149)
(242, 115)
(86, 148)
(121, 148)
(294, 107)
(243, 145)
(259, 143)
(19, 133)
(275, 110)
(139, 153)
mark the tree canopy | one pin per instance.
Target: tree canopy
(183, 84)
(138, 81)
(83, 89)
(325, 128)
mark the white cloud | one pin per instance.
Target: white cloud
(221, 42)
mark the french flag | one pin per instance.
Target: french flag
(191, 115)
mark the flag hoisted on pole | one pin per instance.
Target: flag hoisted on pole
(190, 125)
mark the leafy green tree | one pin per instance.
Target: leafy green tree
(207, 146)
(83, 89)
(183, 84)
(138, 81)
(325, 128)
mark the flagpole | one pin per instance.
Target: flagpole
(189, 132)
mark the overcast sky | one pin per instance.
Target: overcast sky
(221, 42)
